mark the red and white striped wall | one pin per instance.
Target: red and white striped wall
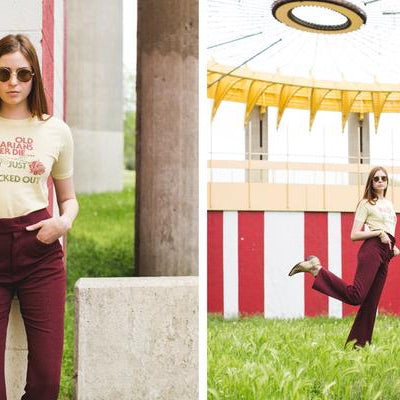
(251, 252)
(53, 48)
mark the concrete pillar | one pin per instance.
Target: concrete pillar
(95, 99)
(136, 338)
(359, 144)
(257, 139)
(166, 238)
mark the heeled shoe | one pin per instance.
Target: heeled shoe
(305, 266)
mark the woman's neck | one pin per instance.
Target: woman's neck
(19, 111)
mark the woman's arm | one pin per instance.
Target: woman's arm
(53, 228)
(358, 234)
(66, 200)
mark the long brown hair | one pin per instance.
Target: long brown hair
(36, 99)
(369, 192)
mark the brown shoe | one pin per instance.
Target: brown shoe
(308, 265)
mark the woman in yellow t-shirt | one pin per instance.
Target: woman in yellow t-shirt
(378, 215)
(33, 147)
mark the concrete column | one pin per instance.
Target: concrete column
(94, 87)
(166, 239)
(359, 143)
(257, 139)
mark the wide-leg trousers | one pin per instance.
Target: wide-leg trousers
(35, 272)
(372, 264)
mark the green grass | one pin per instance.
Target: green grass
(257, 359)
(99, 245)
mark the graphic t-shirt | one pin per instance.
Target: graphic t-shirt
(380, 216)
(30, 151)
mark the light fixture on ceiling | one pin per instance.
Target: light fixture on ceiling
(341, 16)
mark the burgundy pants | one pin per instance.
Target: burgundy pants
(35, 272)
(372, 263)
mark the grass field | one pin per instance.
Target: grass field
(258, 359)
(99, 245)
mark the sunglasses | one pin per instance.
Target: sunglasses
(23, 74)
(377, 178)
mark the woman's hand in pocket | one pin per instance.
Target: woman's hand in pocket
(49, 230)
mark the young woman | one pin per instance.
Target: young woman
(378, 214)
(33, 146)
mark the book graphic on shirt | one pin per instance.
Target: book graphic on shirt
(16, 163)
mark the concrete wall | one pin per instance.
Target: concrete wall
(43, 22)
(257, 137)
(136, 338)
(358, 143)
(95, 98)
(167, 174)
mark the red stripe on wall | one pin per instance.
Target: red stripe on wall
(215, 274)
(251, 262)
(315, 243)
(349, 257)
(390, 299)
(48, 51)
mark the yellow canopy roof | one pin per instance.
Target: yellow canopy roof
(263, 89)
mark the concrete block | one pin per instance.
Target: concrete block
(136, 338)
(16, 353)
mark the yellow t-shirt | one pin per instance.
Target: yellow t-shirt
(380, 216)
(31, 150)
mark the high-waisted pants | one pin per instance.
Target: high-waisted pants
(372, 264)
(35, 272)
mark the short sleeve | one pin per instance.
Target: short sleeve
(63, 166)
(361, 212)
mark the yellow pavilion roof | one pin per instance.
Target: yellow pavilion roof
(265, 89)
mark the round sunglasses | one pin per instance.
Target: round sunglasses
(377, 178)
(23, 74)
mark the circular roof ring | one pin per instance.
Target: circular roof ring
(355, 17)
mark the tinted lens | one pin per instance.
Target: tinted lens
(24, 75)
(4, 74)
(376, 178)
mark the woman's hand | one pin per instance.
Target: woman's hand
(51, 229)
(385, 239)
(396, 251)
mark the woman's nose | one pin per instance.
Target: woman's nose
(13, 79)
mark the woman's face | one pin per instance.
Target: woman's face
(21, 90)
(379, 181)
